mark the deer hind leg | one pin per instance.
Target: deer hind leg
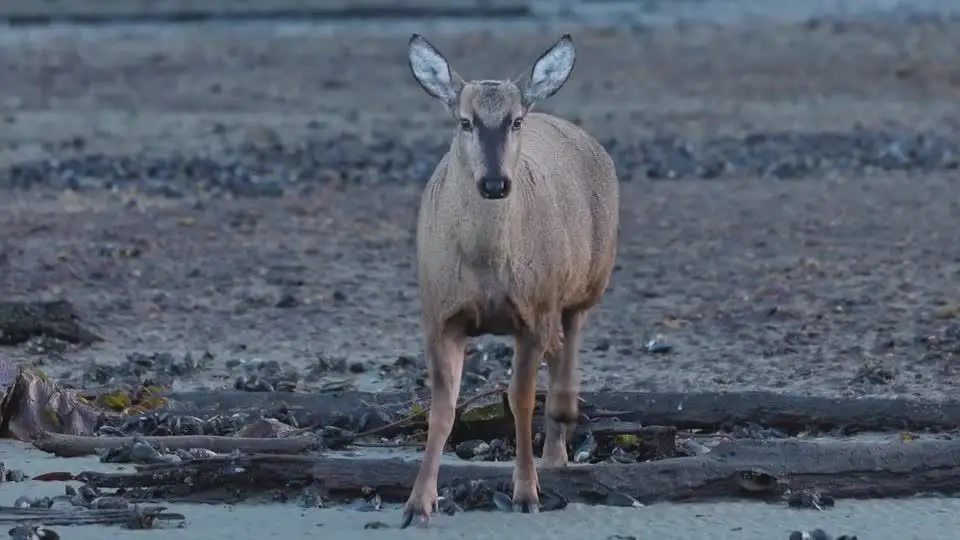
(530, 347)
(445, 350)
(563, 390)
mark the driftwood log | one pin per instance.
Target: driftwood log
(705, 410)
(660, 440)
(75, 445)
(135, 517)
(20, 321)
(731, 470)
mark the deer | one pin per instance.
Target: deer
(516, 237)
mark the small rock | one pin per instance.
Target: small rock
(26, 531)
(233, 363)
(309, 498)
(586, 450)
(372, 505)
(873, 372)
(287, 300)
(357, 367)
(405, 362)
(472, 449)
(657, 345)
(252, 383)
(446, 505)
(810, 499)
(693, 447)
(335, 438)
(263, 139)
(619, 498)
(502, 501)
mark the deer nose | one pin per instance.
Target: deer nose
(494, 187)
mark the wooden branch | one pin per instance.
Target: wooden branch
(705, 410)
(840, 469)
(19, 321)
(75, 445)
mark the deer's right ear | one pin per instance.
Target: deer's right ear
(433, 72)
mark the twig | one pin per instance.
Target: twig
(315, 426)
(425, 410)
(375, 444)
(498, 390)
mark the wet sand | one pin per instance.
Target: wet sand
(874, 520)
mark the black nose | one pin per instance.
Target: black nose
(494, 187)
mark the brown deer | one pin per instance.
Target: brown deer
(516, 235)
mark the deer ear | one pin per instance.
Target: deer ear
(433, 72)
(550, 71)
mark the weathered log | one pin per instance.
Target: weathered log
(136, 516)
(19, 321)
(704, 410)
(842, 469)
(75, 445)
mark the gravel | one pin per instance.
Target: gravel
(385, 158)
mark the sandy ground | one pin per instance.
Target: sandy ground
(798, 285)
(874, 520)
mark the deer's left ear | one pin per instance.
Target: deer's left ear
(550, 71)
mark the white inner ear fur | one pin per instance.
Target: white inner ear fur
(432, 72)
(551, 71)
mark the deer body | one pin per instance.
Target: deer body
(516, 236)
(549, 246)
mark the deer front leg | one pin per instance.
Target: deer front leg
(522, 397)
(445, 352)
(563, 389)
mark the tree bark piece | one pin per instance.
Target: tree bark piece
(704, 410)
(19, 321)
(841, 469)
(75, 445)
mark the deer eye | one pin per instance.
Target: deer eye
(465, 124)
(517, 122)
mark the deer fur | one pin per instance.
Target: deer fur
(516, 235)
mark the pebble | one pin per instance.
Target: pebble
(271, 170)
(309, 498)
(502, 502)
(621, 499)
(472, 448)
(29, 531)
